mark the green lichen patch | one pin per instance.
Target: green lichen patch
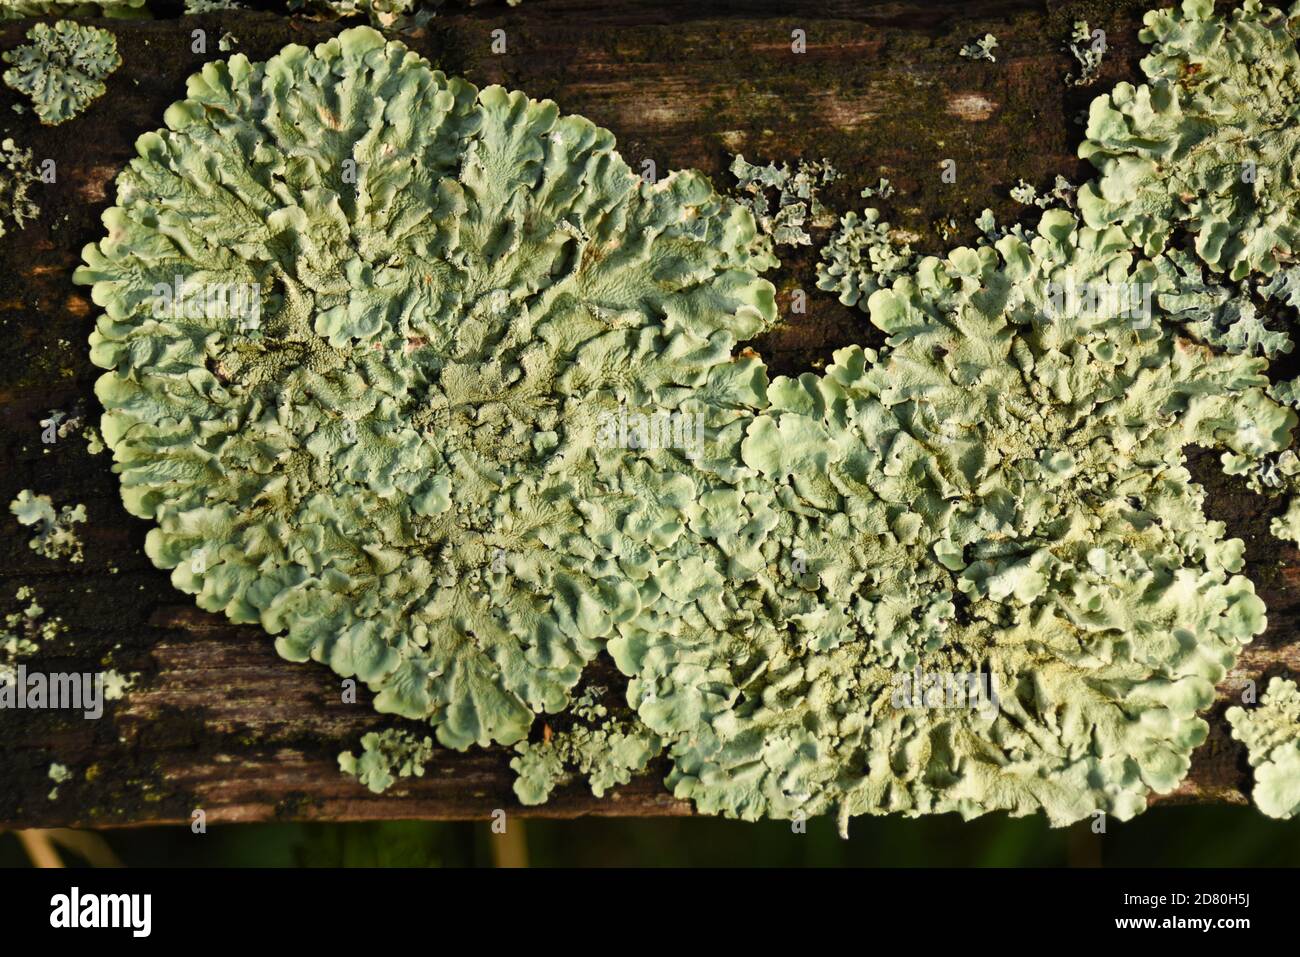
(24, 631)
(1271, 733)
(785, 201)
(56, 538)
(386, 756)
(63, 68)
(997, 501)
(457, 310)
(860, 257)
(605, 750)
(981, 48)
(1209, 143)
(21, 9)
(17, 179)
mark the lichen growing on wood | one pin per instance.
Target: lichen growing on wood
(62, 69)
(1271, 733)
(56, 538)
(1209, 143)
(17, 178)
(458, 291)
(386, 756)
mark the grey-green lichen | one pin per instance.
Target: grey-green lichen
(860, 257)
(488, 420)
(1209, 144)
(981, 49)
(19, 9)
(24, 631)
(606, 751)
(1271, 733)
(998, 498)
(1088, 50)
(461, 295)
(56, 538)
(796, 205)
(63, 68)
(17, 177)
(386, 756)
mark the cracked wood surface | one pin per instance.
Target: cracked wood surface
(215, 719)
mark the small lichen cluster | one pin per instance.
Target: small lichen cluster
(1062, 193)
(981, 48)
(17, 177)
(1088, 49)
(56, 538)
(796, 206)
(1271, 733)
(606, 751)
(861, 257)
(386, 756)
(24, 632)
(63, 68)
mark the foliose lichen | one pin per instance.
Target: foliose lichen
(860, 257)
(17, 177)
(1208, 145)
(461, 295)
(55, 536)
(796, 206)
(1088, 48)
(63, 68)
(981, 48)
(605, 750)
(997, 501)
(1271, 733)
(386, 756)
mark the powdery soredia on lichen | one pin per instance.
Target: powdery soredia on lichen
(62, 69)
(1271, 733)
(449, 296)
(998, 502)
(1209, 144)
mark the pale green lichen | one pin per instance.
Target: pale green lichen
(1209, 143)
(55, 536)
(1088, 50)
(386, 756)
(981, 49)
(388, 465)
(861, 257)
(606, 751)
(1271, 733)
(24, 632)
(63, 68)
(17, 177)
(58, 773)
(1000, 493)
(796, 205)
(19, 9)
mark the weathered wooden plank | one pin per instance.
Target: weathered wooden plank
(216, 719)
